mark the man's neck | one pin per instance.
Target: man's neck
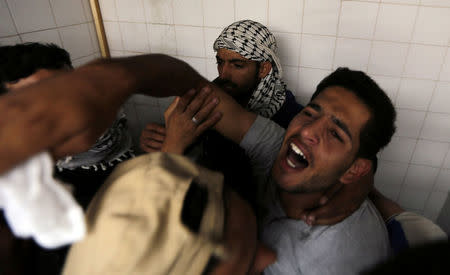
(295, 204)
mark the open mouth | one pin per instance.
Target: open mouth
(295, 157)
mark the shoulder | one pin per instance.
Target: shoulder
(263, 133)
(261, 144)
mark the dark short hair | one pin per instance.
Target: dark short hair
(378, 131)
(23, 60)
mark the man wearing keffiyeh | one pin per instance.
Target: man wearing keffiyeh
(250, 71)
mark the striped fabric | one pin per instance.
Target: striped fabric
(255, 42)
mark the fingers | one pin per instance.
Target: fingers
(152, 138)
(171, 108)
(312, 218)
(329, 193)
(197, 102)
(324, 212)
(150, 146)
(206, 110)
(184, 101)
(154, 131)
(341, 202)
(208, 123)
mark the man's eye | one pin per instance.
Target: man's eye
(219, 62)
(306, 113)
(336, 135)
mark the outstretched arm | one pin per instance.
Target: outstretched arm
(385, 206)
(66, 114)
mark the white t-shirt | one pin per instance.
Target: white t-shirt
(349, 247)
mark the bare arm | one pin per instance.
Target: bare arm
(385, 206)
(66, 114)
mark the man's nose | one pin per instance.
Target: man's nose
(312, 131)
(225, 72)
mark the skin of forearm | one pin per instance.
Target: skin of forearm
(236, 120)
(385, 206)
(156, 75)
(76, 107)
(174, 77)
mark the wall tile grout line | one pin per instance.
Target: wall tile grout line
(333, 63)
(401, 79)
(84, 56)
(423, 124)
(373, 35)
(302, 22)
(284, 32)
(13, 20)
(147, 29)
(57, 27)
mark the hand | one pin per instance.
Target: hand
(152, 137)
(181, 127)
(339, 202)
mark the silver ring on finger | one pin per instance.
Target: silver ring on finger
(196, 122)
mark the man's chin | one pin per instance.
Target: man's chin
(286, 183)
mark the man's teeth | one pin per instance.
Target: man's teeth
(290, 163)
(297, 150)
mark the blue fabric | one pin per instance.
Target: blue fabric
(397, 236)
(288, 111)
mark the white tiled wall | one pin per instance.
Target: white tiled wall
(403, 44)
(66, 23)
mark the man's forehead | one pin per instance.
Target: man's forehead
(227, 54)
(344, 105)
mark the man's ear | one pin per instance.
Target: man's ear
(359, 168)
(264, 69)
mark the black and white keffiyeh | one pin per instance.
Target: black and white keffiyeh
(113, 147)
(255, 42)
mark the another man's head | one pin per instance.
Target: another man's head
(348, 120)
(162, 214)
(24, 64)
(248, 65)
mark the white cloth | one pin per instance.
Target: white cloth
(36, 205)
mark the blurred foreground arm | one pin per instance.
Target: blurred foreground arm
(67, 113)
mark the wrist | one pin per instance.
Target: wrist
(171, 148)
